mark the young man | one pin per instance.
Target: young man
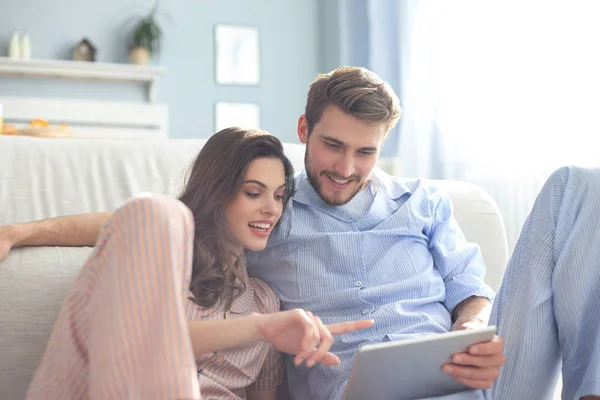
(356, 242)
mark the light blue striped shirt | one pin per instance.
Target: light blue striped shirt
(402, 261)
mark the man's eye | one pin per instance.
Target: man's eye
(332, 145)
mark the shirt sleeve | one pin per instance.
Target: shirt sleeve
(272, 372)
(459, 262)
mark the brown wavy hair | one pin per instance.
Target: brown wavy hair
(215, 177)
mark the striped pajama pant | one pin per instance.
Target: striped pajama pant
(548, 306)
(122, 331)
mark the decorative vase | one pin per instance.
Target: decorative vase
(139, 56)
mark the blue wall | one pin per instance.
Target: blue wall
(289, 50)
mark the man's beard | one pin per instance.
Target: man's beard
(316, 184)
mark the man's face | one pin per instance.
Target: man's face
(340, 154)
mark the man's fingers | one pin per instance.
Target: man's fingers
(461, 326)
(472, 373)
(494, 346)
(495, 360)
(476, 384)
(345, 327)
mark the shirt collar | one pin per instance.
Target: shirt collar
(305, 193)
(390, 185)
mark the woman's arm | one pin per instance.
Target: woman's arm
(211, 336)
(294, 332)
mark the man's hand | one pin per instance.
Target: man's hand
(7, 241)
(480, 366)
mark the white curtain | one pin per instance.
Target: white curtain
(501, 86)
(500, 94)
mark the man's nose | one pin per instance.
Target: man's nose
(345, 166)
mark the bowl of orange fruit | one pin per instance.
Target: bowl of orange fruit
(38, 128)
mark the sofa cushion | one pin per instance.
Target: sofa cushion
(33, 284)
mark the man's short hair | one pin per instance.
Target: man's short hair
(357, 92)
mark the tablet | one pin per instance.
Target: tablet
(412, 368)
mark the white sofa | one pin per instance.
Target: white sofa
(41, 178)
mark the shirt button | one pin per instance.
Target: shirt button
(358, 284)
(220, 358)
(365, 312)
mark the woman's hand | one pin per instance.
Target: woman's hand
(304, 335)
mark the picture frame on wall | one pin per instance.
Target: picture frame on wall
(228, 114)
(237, 58)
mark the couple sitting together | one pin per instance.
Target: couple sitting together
(245, 281)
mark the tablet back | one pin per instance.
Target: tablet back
(410, 369)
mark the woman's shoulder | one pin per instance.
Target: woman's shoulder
(265, 297)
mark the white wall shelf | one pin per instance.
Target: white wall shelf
(147, 75)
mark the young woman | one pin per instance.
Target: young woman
(164, 308)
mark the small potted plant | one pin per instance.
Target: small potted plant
(146, 40)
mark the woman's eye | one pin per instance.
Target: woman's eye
(252, 195)
(279, 197)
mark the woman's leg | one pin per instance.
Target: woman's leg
(548, 306)
(122, 332)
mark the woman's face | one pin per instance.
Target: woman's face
(256, 208)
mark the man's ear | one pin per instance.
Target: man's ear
(302, 129)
